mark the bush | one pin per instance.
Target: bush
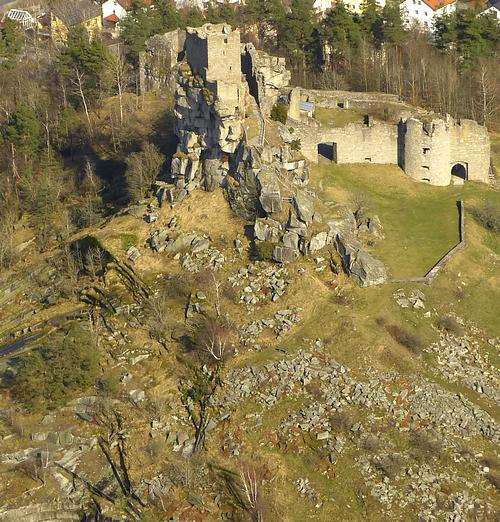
(264, 250)
(425, 447)
(409, 340)
(51, 375)
(494, 479)
(279, 112)
(389, 465)
(488, 214)
(450, 325)
(295, 145)
(129, 240)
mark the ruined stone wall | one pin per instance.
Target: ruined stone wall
(470, 145)
(426, 152)
(353, 100)
(213, 52)
(157, 62)
(431, 149)
(266, 76)
(354, 143)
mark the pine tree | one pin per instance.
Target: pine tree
(371, 21)
(24, 130)
(341, 32)
(393, 30)
(10, 45)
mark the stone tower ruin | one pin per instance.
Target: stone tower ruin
(433, 151)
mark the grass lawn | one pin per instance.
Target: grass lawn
(337, 117)
(420, 221)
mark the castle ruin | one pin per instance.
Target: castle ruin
(224, 89)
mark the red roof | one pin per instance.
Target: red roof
(438, 4)
(112, 18)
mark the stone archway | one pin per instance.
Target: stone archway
(459, 171)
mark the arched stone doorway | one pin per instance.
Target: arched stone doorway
(459, 171)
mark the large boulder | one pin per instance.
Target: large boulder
(283, 254)
(268, 230)
(304, 205)
(318, 242)
(363, 267)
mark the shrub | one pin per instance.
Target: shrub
(494, 479)
(295, 145)
(342, 421)
(409, 340)
(264, 250)
(129, 240)
(488, 214)
(389, 465)
(49, 376)
(279, 112)
(450, 325)
(425, 447)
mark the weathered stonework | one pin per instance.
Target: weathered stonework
(266, 76)
(426, 148)
(430, 150)
(157, 63)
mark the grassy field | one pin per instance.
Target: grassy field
(420, 221)
(337, 117)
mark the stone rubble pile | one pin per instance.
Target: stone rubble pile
(260, 284)
(421, 403)
(415, 300)
(307, 491)
(460, 359)
(211, 258)
(424, 490)
(280, 324)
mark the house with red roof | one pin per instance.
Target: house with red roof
(115, 10)
(423, 13)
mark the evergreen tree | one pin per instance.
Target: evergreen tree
(341, 33)
(371, 21)
(49, 376)
(297, 31)
(24, 130)
(10, 45)
(393, 29)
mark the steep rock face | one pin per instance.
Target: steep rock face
(208, 130)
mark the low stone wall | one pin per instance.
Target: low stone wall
(353, 100)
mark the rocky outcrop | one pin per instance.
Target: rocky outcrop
(364, 268)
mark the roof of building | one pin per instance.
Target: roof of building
(75, 12)
(112, 18)
(18, 15)
(494, 3)
(438, 4)
(306, 106)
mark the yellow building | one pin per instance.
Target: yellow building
(65, 14)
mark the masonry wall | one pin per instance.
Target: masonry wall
(224, 56)
(355, 143)
(427, 151)
(196, 52)
(470, 144)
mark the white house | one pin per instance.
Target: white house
(356, 6)
(322, 6)
(113, 11)
(423, 13)
(492, 8)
